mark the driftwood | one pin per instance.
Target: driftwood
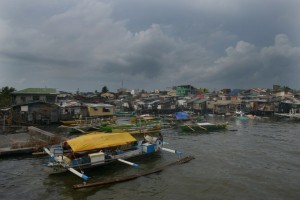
(131, 177)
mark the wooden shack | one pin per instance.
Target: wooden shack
(35, 113)
(100, 110)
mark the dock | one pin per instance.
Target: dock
(288, 115)
(24, 143)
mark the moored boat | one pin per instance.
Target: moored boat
(204, 126)
(95, 149)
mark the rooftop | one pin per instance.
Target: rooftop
(37, 91)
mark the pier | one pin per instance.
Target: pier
(26, 142)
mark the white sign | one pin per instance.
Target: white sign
(24, 108)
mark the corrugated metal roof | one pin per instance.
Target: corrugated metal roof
(37, 91)
(200, 100)
(98, 105)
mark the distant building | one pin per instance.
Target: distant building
(108, 95)
(185, 90)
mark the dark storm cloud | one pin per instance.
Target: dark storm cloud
(86, 44)
(43, 61)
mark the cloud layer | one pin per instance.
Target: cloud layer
(88, 44)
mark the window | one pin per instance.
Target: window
(50, 99)
(106, 110)
(35, 98)
(23, 99)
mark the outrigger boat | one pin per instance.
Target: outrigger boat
(204, 126)
(97, 149)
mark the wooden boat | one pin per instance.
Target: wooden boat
(125, 114)
(97, 149)
(83, 126)
(131, 128)
(205, 126)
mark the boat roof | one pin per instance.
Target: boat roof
(98, 140)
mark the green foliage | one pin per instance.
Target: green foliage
(104, 89)
(278, 88)
(287, 89)
(204, 90)
(5, 96)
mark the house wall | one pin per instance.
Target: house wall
(21, 99)
(36, 113)
(262, 106)
(100, 111)
(221, 109)
(199, 106)
(68, 113)
(43, 113)
(181, 91)
(210, 105)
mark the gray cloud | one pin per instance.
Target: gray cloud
(151, 44)
(246, 64)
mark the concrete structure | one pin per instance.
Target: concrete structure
(30, 95)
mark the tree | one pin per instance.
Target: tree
(5, 96)
(104, 89)
(287, 89)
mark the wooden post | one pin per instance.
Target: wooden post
(4, 122)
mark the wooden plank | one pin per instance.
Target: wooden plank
(134, 176)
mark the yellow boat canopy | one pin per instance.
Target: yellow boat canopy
(99, 140)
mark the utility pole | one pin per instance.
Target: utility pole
(4, 122)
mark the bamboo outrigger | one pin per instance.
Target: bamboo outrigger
(131, 177)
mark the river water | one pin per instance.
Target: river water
(254, 159)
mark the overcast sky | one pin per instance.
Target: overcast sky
(149, 44)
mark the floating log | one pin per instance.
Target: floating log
(131, 177)
(10, 151)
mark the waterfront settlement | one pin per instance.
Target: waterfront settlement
(35, 106)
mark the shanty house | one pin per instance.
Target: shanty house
(100, 110)
(35, 113)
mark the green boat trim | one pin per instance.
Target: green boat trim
(202, 127)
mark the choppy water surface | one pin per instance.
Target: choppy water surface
(260, 160)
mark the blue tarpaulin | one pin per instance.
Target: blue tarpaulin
(182, 116)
